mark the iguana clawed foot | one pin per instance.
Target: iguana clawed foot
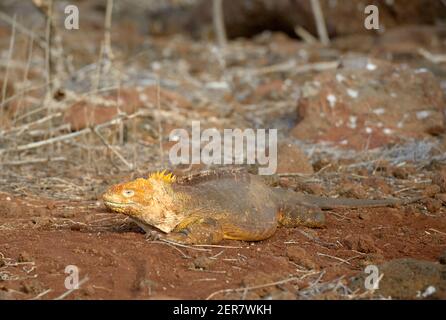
(153, 235)
(203, 231)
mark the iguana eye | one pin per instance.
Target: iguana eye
(128, 193)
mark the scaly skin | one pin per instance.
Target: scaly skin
(210, 207)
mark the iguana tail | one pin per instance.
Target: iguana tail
(340, 203)
(295, 212)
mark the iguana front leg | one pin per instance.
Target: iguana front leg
(201, 231)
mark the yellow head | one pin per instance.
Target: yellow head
(148, 201)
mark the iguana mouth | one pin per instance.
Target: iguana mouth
(117, 204)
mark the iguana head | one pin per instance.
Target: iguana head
(148, 201)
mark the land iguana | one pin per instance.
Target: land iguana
(228, 204)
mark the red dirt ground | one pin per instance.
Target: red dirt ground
(46, 236)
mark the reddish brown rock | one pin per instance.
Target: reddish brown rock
(433, 205)
(368, 104)
(101, 109)
(202, 263)
(259, 278)
(441, 197)
(439, 178)
(361, 243)
(431, 191)
(290, 159)
(406, 279)
(299, 256)
(352, 190)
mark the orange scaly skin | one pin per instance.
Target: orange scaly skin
(210, 207)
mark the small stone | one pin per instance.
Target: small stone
(322, 164)
(301, 257)
(361, 243)
(203, 263)
(24, 257)
(75, 227)
(352, 190)
(400, 173)
(432, 190)
(50, 205)
(259, 278)
(315, 188)
(412, 210)
(364, 216)
(89, 291)
(32, 287)
(439, 178)
(374, 258)
(311, 188)
(290, 159)
(441, 197)
(379, 184)
(433, 205)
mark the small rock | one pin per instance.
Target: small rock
(439, 178)
(441, 197)
(89, 291)
(259, 278)
(50, 205)
(290, 159)
(315, 188)
(378, 184)
(203, 263)
(299, 256)
(384, 167)
(372, 259)
(325, 164)
(75, 227)
(407, 279)
(352, 190)
(361, 243)
(364, 216)
(32, 287)
(311, 188)
(433, 205)
(432, 190)
(400, 173)
(24, 257)
(412, 210)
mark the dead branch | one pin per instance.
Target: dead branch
(72, 135)
(320, 22)
(219, 23)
